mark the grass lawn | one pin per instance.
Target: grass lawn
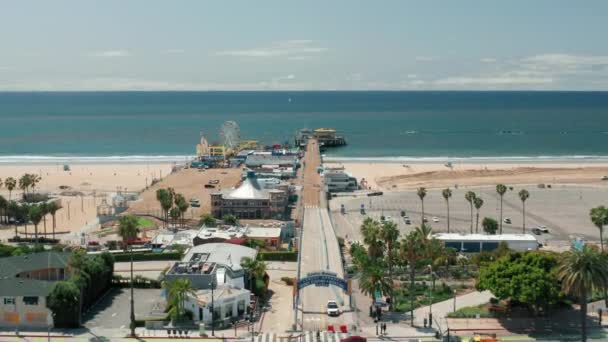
(144, 222)
(472, 312)
(421, 296)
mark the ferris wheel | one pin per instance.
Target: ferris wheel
(230, 134)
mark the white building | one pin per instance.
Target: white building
(474, 243)
(231, 304)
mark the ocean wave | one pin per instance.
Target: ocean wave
(115, 159)
(479, 159)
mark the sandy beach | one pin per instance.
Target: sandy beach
(397, 176)
(88, 185)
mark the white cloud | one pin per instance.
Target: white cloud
(488, 60)
(292, 49)
(412, 76)
(565, 60)
(110, 53)
(500, 80)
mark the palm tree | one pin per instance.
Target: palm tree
(390, 234)
(412, 252)
(52, 208)
(581, 272)
(478, 202)
(35, 214)
(24, 212)
(523, 196)
(127, 229)
(182, 205)
(370, 229)
(177, 293)
(166, 202)
(175, 214)
(24, 183)
(373, 279)
(10, 183)
(501, 189)
(255, 269)
(421, 194)
(13, 209)
(447, 193)
(599, 217)
(34, 180)
(470, 197)
(44, 209)
(3, 208)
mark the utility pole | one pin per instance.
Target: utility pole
(132, 299)
(212, 312)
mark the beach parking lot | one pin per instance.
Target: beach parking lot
(563, 209)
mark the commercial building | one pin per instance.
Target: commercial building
(212, 265)
(250, 201)
(339, 181)
(215, 271)
(25, 283)
(255, 161)
(474, 243)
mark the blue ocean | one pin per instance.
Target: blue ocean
(377, 125)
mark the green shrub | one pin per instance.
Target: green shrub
(472, 312)
(141, 256)
(278, 256)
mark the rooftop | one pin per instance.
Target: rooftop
(250, 189)
(11, 266)
(258, 160)
(483, 237)
(263, 232)
(222, 253)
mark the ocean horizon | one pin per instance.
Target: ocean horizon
(393, 126)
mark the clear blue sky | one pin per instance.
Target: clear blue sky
(267, 45)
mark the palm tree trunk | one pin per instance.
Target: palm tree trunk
(602, 239)
(500, 214)
(422, 212)
(523, 203)
(448, 204)
(477, 224)
(36, 233)
(584, 319)
(471, 205)
(44, 220)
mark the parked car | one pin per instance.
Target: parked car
(402, 213)
(332, 308)
(435, 219)
(408, 221)
(536, 231)
(605, 178)
(507, 220)
(543, 229)
(195, 203)
(209, 186)
(214, 181)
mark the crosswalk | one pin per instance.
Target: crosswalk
(308, 336)
(310, 206)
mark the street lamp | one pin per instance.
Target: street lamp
(454, 300)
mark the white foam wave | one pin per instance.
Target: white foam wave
(127, 159)
(484, 159)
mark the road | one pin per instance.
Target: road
(319, 251)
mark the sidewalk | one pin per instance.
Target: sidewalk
(441, 309)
